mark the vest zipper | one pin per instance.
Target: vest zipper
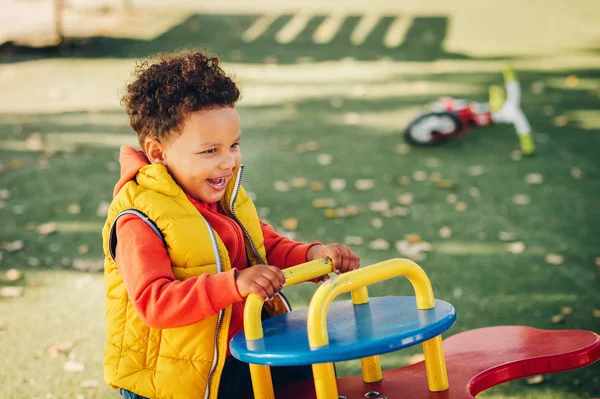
(221, 313)
(239, 222)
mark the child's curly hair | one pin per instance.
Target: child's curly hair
(176, 84)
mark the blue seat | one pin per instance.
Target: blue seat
(382, 325)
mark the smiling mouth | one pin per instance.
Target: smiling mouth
(218, 182)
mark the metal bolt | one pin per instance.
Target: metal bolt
(372, 394)
(342, 397)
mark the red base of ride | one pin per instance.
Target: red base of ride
(476, 360)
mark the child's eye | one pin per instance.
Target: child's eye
(211, 151)
(236, 145)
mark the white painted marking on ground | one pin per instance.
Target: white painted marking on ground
(328, 28)
(258, 28)
(292, 29)
(397, 31)
(364, 27)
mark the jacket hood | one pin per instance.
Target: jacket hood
(131, 161)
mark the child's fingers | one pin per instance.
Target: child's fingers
(277, 274)
(259, 290)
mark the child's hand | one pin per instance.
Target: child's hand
(344, 260)
(263, 280)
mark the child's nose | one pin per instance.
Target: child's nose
(227, 161)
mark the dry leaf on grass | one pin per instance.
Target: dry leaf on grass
(405, 199)
(521, 199)
(317, 186)
(307, 147)
(474, 192)
(4, 194)
(379, 245)
(74, 209)
(281, 186)
(324, 203)
(395, 211)
(413, 251)
(299, 182)
(13, 275)
(419, 175)
(535, 379)
(102, 210)
(566, 310)
(13, 246)
(433, 162)
(11, 292)
(534, 178)
(379, 206)
(35, 142)
(87, 265)
(561, 120)
(325, 159)
(46, 228)
(516, 247)
(290, 224)
(352, 118)
(476, 170)
(596, 313)
(461, 206)
(444, 183)
(572, 81)
(402, 149)
(89, 384)
(364, 184)
(3, 326)
(457, 292)
(83, 249)
(452, 198)
(445, 232)
(31, 261)
(337, 185)
(403, 180)
(554, 259)
(412, 238)
(60, 349)
(377, 223)
(506, 236)
(74, 367)
(558, 318)
(576, 173)
(354, 240)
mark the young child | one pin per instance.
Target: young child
(183, 242)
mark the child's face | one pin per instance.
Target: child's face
(203, 158)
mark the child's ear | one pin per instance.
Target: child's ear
(155, 151)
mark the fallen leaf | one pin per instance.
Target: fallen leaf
(451, 198)
(537, 87)
(413, 251)
(324, 203)
(353, 240)
(476, 170)
(402, 149)
(572, 81)
(576, 173)
(566, 310)
(60, 349)
(263, 212)
(317, 186)
(561, 121)
(554, 259)
(35, 142)
(412, 238)
(558, 318)
(516, 155)
(102, 210)
(596, 313)
(13, 246)
(474, 192)
(33, 261)
(87, 265)
(3, 326)
(435, 176)
(46, 228)
(19, 209)
(405, 199)
(325, 159)
(74, 367)
(516, 247)
(379, 245)
(307, 147)
(521, 199)
(4, 194)
(457, 292)
(395, 211)
(506, 236)
(433, 162)
(11, 292)
(403, 180)
(65, 261)
(445, 232)
(379, 206)
(597, 261)
(74, 209)
(290, 224)
(461, 206)
(377, 223)
(298, 182)
(351, 118)
(444, 183)
(419, 175)
(337, 185)
(281, 186)
(13, 275)
(89, 384)
(364, 184)
(535, 379)
(534, 178)
(83, 249)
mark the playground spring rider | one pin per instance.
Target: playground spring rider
(449, 117)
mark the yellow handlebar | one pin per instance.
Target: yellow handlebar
(293, 275)
(322, 298)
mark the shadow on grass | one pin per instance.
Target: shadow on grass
(225, 34)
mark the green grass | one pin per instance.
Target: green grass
(290, 105)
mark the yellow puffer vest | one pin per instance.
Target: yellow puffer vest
(185, 362)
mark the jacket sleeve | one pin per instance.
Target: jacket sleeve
(281, 251)
(160, 300)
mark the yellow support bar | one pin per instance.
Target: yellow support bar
(371, 369)
(325, 383)
(325, 294)
(261, 375)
